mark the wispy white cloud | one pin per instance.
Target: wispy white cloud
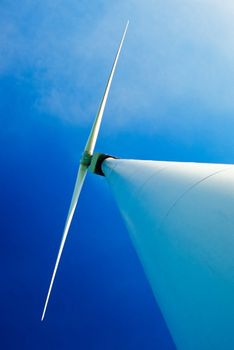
(175, 52)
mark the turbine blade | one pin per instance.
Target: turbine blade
(85, 162)
(89, 148)
(78, 186)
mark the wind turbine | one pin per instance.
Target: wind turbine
(180, 217)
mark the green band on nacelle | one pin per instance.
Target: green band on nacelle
(96, 163)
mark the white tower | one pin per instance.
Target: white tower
(180, 217)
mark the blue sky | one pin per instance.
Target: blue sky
(171, 99)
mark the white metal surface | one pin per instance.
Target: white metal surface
(82, 171)
(180, 217)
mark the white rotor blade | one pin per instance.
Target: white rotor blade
(88, 151)
(78, 186)
(89, 148)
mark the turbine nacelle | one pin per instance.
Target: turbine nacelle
(96, 162)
